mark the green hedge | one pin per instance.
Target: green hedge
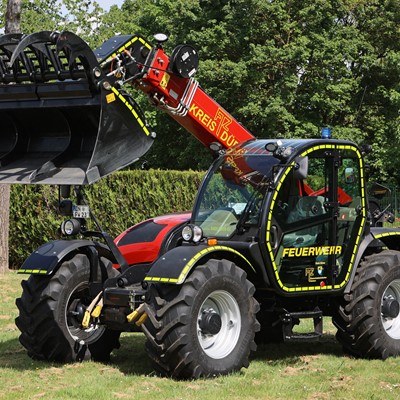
(118, 201)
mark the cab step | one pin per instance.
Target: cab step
(290, 319)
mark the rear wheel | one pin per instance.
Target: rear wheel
(51, 310)
(205, 327)
(369, 322)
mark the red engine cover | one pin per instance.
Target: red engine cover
(143, 242)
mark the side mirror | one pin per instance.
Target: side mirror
(378, 191)
(349, 176)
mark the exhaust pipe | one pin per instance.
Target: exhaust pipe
(63, 120)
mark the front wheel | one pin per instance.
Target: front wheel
(369, 321)
(205, 327)
(51, 310)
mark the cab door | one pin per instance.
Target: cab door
(316, 218)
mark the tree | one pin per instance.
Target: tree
(13, 16)
(12, 25)
(78, 16)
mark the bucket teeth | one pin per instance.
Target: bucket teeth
(48, 169)
(29, 40)
(8, 43)
(44, 52)
(77, 49)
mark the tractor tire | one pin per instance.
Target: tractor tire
(206, 326)
(368, 321)
(50, 314)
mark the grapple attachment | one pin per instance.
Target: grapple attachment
(64, 120)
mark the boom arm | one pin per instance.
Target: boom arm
(170, 85)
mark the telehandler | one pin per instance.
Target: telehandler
(281, 230)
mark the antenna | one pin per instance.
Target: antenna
(359, 107)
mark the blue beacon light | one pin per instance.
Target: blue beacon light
(326, 133)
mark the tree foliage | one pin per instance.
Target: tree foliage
(81, 17)
(284, 68)
(144, 194)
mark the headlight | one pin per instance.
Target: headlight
(192, 233)
(70, 227)
(187, 233)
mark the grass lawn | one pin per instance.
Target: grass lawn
(311, 371)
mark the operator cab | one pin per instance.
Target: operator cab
(302, 201)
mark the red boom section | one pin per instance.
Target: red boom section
(209, 122)
(188, 104)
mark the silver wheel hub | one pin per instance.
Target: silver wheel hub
(390, 309)
(219, 324)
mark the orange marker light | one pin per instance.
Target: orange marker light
(212, 242)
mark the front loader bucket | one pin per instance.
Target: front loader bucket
(63, 120)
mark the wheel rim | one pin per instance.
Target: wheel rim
(223, 309)
(79, 299)
(391, 324)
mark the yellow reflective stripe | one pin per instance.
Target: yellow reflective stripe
(192, 261)
(132, 110)
(126, 45)
(363, 189)
(275, 195)
(269, 222)
(32, 271)
(202, 253)
(364, 216)
(157, 279)
(381, 235)
(359, 233)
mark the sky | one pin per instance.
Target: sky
(106, 4)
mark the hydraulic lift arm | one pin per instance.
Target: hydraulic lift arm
(169, 83)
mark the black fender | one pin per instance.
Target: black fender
(390, 237)
(175, 265)
(378, 237)
(48, 257)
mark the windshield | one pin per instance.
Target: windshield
(231, 197)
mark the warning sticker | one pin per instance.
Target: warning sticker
(164, 81)
(110, 98)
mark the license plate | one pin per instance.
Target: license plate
(81, 212)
